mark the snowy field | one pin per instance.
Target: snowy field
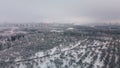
(63, 46)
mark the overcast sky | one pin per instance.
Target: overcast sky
(60, 11)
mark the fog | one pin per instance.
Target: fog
(60, 11)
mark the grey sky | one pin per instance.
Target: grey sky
(61, 11)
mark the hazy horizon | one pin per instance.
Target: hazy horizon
(62, 11)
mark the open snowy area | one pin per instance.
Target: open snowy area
(59, 46)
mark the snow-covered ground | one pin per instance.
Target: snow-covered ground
(78, 55)
(55, 48)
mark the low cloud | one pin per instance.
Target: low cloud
(62, 11)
